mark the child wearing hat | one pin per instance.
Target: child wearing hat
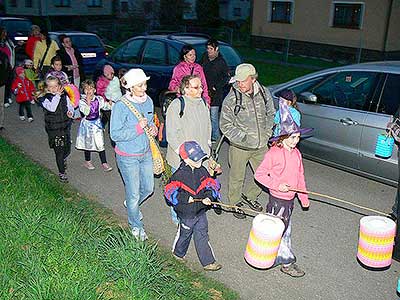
(30, 72)
(282, 173)
(289, 97)
(190, 191)
(24, 90)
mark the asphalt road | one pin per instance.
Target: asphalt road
(324, 238)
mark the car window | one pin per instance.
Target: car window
(390, 99)
(347, 89)
(155, 53)
(307, 85)
(20, 26)
(86, 41)
(129, 53)
(230, 55)
(173, 55)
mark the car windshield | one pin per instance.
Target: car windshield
(17, 26)
(231, 57)
(86, 41)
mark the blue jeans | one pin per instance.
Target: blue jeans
(137, 173)
(214, 115)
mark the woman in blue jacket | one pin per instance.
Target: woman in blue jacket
(132, 147)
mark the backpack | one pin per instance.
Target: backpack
(239, 100)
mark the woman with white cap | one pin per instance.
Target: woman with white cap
(132, 147)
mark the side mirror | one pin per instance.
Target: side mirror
(308, 97)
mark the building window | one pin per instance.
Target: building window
(62, 3)
(236, 12)
(347, 15)
(13, 3)
(28, 3)
(124, 6)
(281, 11)
(94, 3)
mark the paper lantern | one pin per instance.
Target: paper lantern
(73, 94)
(264, 240)
(384, 146)
(375, 245)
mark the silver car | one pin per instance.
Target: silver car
(349, 107)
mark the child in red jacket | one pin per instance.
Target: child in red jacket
(24, 90)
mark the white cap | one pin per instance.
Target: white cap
(134, 77)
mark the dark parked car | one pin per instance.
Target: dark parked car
(18, 30)
(89, 44)
(157, 55)
(349, 107)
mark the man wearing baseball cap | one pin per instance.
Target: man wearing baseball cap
(247, 117)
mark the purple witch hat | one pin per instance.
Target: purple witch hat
(287, 125)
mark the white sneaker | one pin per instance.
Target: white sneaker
(30, 120)
(10, 100)
(143, 235)
(6, 105)
(22, 118)
(136, 233)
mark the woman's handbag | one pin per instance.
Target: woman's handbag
(158, 161)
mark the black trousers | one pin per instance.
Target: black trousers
(25, 106)
(62, 151)
(102, 155)
(198, 227)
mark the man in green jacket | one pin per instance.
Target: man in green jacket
(247, 117)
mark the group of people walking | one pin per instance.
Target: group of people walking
(194, 120)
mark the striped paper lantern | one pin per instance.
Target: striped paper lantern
(375, 244)
(264, 240)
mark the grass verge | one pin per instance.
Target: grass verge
(56, 244)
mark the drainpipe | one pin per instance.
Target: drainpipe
(389, 14)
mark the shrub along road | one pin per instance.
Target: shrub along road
(324, 238)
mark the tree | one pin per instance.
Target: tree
(207, 12)
(171, 12)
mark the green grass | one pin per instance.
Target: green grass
(258, 55)
(55, 244)
(270, 74)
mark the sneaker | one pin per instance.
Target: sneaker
(88, 165)
(10, 100)
(63, 177)
(292, 270)
(33, 102)
(6, 105)
(238, 213)
(30, 120)
(182, 259)
(143, 236)
(254, 205)
(136, 233)
(213, 267)
(22, 118)
(106, 167)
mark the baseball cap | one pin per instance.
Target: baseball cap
(242, 72)
(192, 151)
(134, 77)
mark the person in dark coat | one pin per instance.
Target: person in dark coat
(217, 74)
(5, 70)
(72, 60)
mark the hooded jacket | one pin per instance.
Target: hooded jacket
(251, 128)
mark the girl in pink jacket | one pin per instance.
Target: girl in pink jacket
(282, 173)
(188, 66)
